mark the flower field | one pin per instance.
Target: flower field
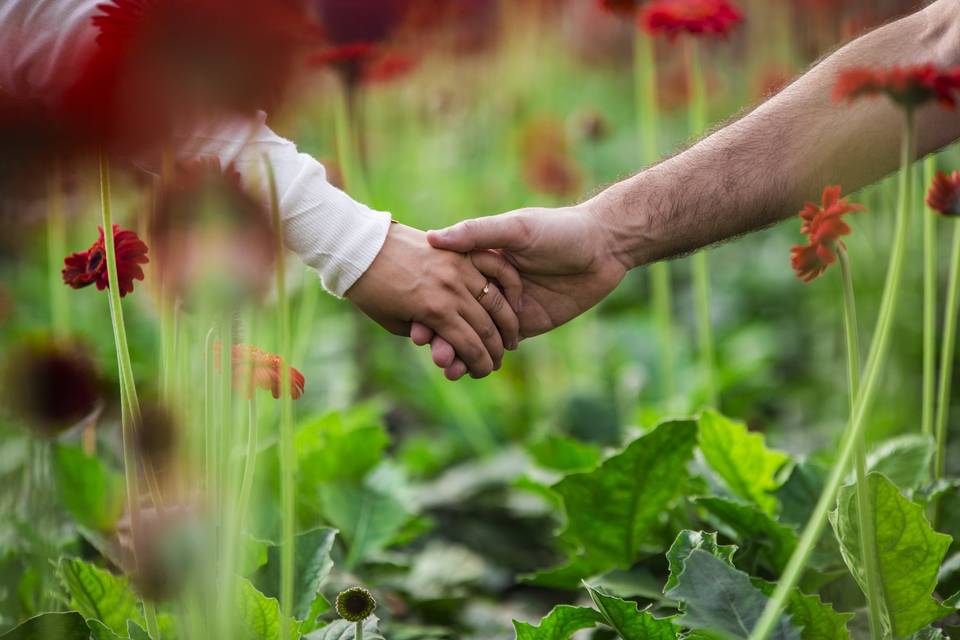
(754, 441)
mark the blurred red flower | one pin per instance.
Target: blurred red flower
(625, 8)
(697, 17)
(944, 194)
(90, 266)
(909, 87)
(548, 166)
(824, 226)
(157, 62)
(254, 368)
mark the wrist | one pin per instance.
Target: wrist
(627, 223)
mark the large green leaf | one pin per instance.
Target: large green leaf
(628, 620)
(685, 542)
(817, 619)
(343, 630)
(89, 491)
(612, 510)
(100, 631)
(909, 553)
(51, 626)
(312, 565)
(561, 623)
(798, 496)
(98, 594)
(718, 599)
(258, 616)
(741, 458)
(754, 526)
(904, 460)
(367, 519)
(341, 446)
(565, 454)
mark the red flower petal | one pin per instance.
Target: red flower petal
(909, 87)
(944, 194)
(696, 17)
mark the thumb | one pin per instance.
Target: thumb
(505, 231)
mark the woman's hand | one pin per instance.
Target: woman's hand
(410, 281)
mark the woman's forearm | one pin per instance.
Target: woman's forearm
(760, 168)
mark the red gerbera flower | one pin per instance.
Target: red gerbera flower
(254, 368)
(909, 87)
(697, 17)
(90, 266)
(824, 226)
(944, 194)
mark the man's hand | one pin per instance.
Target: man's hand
(410, 281)
(564, 257)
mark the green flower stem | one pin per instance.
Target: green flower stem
(947, 354)
(348, 155)
(648, 116)
(209, 428)
(56, 251)
(868, 541)
(358, 634)
(701, 259)
(875, 360)
(249, 465)
(929, 306)
(129, 403)
(288, 458)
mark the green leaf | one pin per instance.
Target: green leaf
(258, 615)
(909, 554)
(628, 620)
(614, 509)
(904, 460)
(741, 458)
(51, 626)
(561, 623)
(98, 594)
(817, 619)
(798, 496)
(136, 632)
(367, 519)
(89, 491)
(100, 631)
(685, 542)
(753, 526)
(565, 454)
(343, 630)
(312, 565)
(720, 599)
(341, 446)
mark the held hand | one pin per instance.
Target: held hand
(410, 281)
(564, 258)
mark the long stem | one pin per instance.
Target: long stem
(648, 116)
(868, 541)
(249, 465)
(129, 403)
(947, 354)
(879, 347)
(929, 306)
(56, 251)
(701, 260)
(288, 459)
(358, 634)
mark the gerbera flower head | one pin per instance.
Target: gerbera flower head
(51, 385)
(212, 239)
(355, 604)
(696, 17)
(90, 267)
(824, 226)
(944, 194)
(159, 62)
(909, 87)
(254, 368)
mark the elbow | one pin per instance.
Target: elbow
(941, 36)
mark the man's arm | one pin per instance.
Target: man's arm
(761, 168)
(749, 174)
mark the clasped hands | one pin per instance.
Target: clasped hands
(546, 266)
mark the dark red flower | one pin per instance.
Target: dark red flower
(909, 87)
(90, 266)
(52, 386)
(824, 226)
(944, 194)
(625, 8)
(697, 17)
(160, 62)
(254, 368)
(548, 166)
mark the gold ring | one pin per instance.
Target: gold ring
(486, 290)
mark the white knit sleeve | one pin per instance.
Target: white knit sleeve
(331, 232)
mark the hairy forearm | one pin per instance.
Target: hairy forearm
(760, 168)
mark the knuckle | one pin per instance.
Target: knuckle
(496, 304)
